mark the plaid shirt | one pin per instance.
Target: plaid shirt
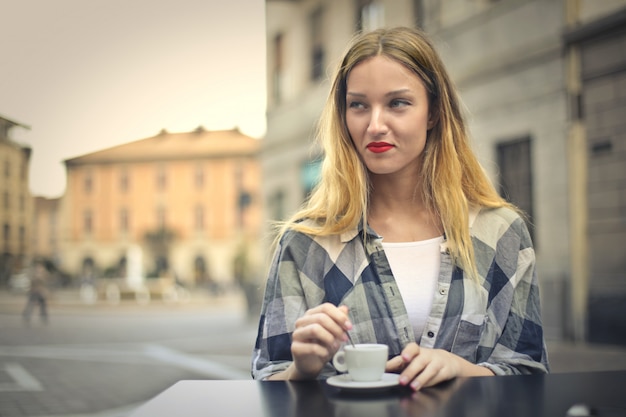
(494, 321)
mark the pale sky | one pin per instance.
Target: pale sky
(86, 75)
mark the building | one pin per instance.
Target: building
(184, 204)
(595, 62)
(304, 41)
(16, 203)
(45, 229)
(543, 84)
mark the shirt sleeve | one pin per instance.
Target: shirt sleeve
(272, 347)
(513, 318)
(283, 303)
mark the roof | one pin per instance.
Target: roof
(165, 146)
(13, 122)
(5, 126)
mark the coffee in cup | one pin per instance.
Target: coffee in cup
(364, 362)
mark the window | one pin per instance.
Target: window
(124, 180)
(52, 237)
(418, 13)
(199, 217)
(6, 232)
(52, 220)
(238, 175)
(23, 170)
(88, 222)
(161, 217)
(514, 161)
(88, 183)
(277, 205)
(310, 176)
(317, 44)
(7, 200)
(199, 176)
(161, 177)
(124, 220)
(277, 70)
(370, 15)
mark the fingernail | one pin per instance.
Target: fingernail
(415, 385)
(348, 324)
(403, 380)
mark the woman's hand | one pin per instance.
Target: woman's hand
(317, 337)
(423, 367)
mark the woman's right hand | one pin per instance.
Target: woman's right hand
(318, 335)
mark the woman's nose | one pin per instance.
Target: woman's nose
(377, 125)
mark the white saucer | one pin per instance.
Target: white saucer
(345, 381)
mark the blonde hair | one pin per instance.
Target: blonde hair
(452, 178)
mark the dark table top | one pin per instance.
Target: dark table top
(511, 396)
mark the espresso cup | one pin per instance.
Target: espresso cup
(364, 362)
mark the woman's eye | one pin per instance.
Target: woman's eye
(398, 103)
(356, 105)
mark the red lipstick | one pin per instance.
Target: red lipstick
(379, 147)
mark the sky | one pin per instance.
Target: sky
(85, 75)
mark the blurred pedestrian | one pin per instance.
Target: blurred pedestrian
(404, 241)
(37, 294)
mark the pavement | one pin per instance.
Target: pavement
(116, 400)
(97, 359)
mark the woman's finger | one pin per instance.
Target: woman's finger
(316, 333)
(410, 352)
(413, 369)
(431, 367)
(333, 318)
(427, 377)
(395, 365)
(325, 322)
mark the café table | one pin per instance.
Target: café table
(553, 395)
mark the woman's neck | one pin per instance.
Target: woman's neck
(398, 213)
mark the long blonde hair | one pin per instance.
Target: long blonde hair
(452, 178)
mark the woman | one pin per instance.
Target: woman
(404, 241)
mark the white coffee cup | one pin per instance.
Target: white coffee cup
(364, 362)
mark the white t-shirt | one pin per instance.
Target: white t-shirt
(415, 266)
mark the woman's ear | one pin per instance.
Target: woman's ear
(433, 118)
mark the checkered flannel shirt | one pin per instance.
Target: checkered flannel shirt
(494, 321)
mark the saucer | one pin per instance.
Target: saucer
(344, 381)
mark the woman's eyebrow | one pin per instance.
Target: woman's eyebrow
(391, 93)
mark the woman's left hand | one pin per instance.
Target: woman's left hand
(423, 367)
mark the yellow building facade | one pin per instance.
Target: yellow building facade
(15, 202)
(45, 229)
(186, 202)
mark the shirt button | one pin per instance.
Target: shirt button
(431, 334)
(442, 291)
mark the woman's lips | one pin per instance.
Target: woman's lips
(379, 147)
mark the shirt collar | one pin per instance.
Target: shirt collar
(348, 235)
(352, 233)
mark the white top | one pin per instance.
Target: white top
(415, 266)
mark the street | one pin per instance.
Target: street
(101, 360)
(106, 360)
